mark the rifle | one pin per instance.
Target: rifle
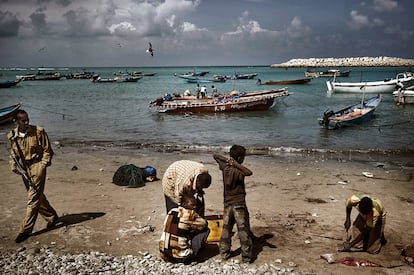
(20, 166)
(22, 171)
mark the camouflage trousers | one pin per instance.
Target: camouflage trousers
(238, 215)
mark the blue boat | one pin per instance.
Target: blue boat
(196, 79)
(8, 83)
(352, 115)
(7, 113)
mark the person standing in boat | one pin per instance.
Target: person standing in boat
(198, 90)
(368, 227)
(203, 91)
(30, 154)
(214, 92)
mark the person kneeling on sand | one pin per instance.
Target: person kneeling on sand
(368, 227)
(185, 232)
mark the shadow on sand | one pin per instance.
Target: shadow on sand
(212, 249)
(71, 219)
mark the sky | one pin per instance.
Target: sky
(107, 33)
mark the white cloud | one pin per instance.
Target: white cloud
(385, 5)
(359, 21)
(121, 27)
(296, 28)
(190, 27)
(247, 27)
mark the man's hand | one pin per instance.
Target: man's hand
(347, 246)
(347, 223)
(16, 171)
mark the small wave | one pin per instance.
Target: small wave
(251, 150)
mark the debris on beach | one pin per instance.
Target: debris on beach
(368, 174)
(408, 253)
(315, 200)
(351, 261)
(329, 257)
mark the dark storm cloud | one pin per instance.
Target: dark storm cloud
(38, 20)
(83, 22)
(9, 24)
(63, 3)
(216, 31)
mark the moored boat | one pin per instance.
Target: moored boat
(195, 73)
(39, 76)
(232, 102)
(238, 76)
(197, 79)
(98, 79)
(9, 83)
(328, 73)
(244, 76)
(373, 87)
(351, 115)
(7, 113)
(285, 82)
(404, 95)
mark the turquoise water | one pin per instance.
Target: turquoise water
(79, 111)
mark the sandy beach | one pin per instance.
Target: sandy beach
(296, 206)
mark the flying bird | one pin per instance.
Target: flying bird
(41, 49)
(150, 50)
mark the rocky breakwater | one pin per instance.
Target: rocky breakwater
(382, 61)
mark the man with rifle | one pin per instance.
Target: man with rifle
(30, 154)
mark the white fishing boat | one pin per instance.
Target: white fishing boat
(404, 95)
(371, 87)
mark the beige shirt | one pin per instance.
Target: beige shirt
(35, 146)
(179, 176)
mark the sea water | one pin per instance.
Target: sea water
(80, 111)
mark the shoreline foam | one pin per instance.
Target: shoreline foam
(381, 61)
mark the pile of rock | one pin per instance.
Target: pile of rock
(381, 61)
(44, 261)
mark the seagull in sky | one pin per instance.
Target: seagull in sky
(150, 50)
(42, 49)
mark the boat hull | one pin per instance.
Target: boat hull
(404, 96)
(352, 115)
(9, 83)
(250, 102)
(329, 73)
(372, 87)
(286, 82)
(377, 87)
(7, 114)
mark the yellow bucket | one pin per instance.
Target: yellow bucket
(215, 224)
